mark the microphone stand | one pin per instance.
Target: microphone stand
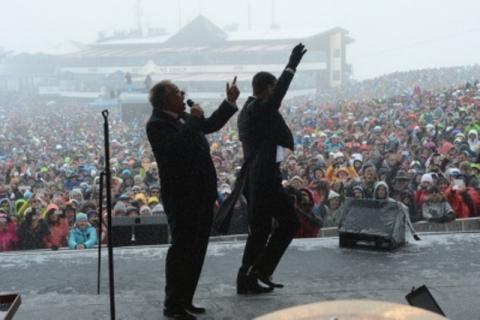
(109, 215)
(100, 223)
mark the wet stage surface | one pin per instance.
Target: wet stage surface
(62, 284)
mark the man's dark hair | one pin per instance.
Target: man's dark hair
(158, 93)
(261, 81)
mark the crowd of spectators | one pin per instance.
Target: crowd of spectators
(419, 147)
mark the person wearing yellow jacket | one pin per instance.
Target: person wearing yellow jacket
(339, 169)
(34, 202)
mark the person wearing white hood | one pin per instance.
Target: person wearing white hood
(473, 141)
(334, 212)
(356, 161)
(381, 192)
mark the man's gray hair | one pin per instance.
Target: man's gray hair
(158, 93)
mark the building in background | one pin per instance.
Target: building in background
(200, 57)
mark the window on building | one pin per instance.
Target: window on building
(337, 53)
(336, 75)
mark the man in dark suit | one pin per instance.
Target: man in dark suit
(188, 186)
(264, 133)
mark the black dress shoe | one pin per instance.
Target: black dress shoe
(178, 314)
(194, 309)
(268, 281)
(248, 284)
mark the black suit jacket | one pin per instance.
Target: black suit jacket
(261, 129)
(187, 173)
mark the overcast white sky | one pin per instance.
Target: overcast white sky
(390, 35)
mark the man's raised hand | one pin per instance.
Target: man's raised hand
(232, 91)
(296, 56)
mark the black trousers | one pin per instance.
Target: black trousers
(190, 230)
(266, 244)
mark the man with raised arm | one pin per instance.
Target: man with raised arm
(264, 135)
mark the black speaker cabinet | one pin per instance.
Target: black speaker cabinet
(374, 223)
(142, 230)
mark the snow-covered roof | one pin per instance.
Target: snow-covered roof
(202, 31)
(247, 35)
(271, 34)
(65, 47)
(144, 40)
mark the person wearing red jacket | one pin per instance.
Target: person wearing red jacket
(8, 233)
(465, 201)
(425, 183)
(58, 228)
(462, 195)
(309, 224)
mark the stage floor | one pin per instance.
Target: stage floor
(62, 284)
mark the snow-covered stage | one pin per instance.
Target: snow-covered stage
(62, 284)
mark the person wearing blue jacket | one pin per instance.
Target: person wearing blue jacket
(82, 235)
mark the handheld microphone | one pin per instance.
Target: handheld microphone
(190, 103)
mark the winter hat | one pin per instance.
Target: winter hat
(158, 209)
(320, 158)
(138, 179)
(119, 207)
(427, 177)
(154, 187)
(91, 213)
(28, 211)
(415, 163)
(27, 195)
(332, 194)
(379, 184)
(81, 217)
(75, 192)
(19, 204)
(131, 209)
(51, 207)
(337, 155)
(340, 170)
(402, 175)
(141, 198)
(153, 200)
(358, 187)
(297, 178)
(356, 157)
(145, 211)
(124, 197)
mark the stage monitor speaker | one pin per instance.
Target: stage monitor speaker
(9, 304)
(142, 230)
(375, 223)
(422, 298)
